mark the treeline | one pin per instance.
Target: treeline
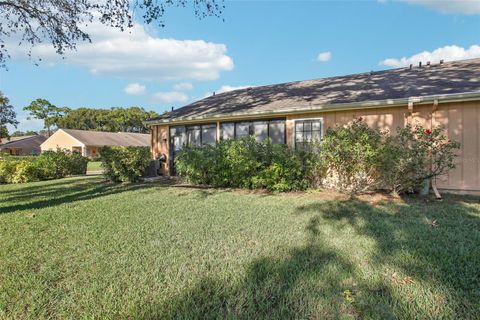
(117, 119)
(112, 120)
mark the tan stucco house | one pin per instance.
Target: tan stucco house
(442, 94)
(87, 142)
(22, 145)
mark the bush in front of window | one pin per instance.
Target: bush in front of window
(242, 163)
(122, 164)
(351, 156)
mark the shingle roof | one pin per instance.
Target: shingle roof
(24, 142)
(99, 138)
(439, 79)
(12, 139)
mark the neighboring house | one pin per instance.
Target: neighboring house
(22, 146)
(87, 142)
(445, 94)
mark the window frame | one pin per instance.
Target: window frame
(251, 130)
(294, 133)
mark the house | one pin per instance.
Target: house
(22, 146)
(88, 142)
(443, 94)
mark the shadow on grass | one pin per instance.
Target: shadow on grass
(64, 191)
(310, 282)
(315, 281)
(437, 243)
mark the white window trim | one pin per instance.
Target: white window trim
(322, 129)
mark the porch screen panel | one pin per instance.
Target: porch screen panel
(209, 134)
(193, 135)
(276, 131)
(228, 130)
(242, 129)
(260, 130)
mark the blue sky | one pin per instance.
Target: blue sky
(260, 42)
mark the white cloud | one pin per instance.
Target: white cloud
(169, 97)
(135, 54)
(27, 124)
(183, 86)
(134, 89)
(324, 56)
(447, 53)
(449, 6)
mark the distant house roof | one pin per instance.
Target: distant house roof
(100, 138)
(24, 142)
(12, 139)
(379, 88)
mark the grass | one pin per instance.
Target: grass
(81, 248)
(94, 166)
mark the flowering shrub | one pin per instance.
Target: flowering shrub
(415, 154)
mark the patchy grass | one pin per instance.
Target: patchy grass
(81, 248)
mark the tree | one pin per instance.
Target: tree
(7, 116)
(110, 120)
(49, 113)
(60, 23)
(24, 133)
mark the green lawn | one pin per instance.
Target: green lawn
(81, 248)
(94, 166)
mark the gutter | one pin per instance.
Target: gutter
(422, 100)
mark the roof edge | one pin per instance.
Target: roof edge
(445, 98)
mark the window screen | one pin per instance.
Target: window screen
(178, 137)
(193, 135)
(228, 130)
(209, 134)
(260, 130)
(277, 131)
(242, 129)
(307, 131)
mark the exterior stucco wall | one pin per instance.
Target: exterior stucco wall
(461, 121)
(60, 140)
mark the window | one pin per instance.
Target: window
(242, 129)
(209, 134)
(261, 130)
(307, 131)
(277, 131)
(228, 130)
(193, 135)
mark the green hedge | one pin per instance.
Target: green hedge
(123, 164)
(352, 158)
(243, 163)
(48, 165)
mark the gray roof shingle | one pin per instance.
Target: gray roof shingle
(99, 138)
(439, 79)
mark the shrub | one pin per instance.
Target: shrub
(243, 163)
(7, 169)
(48, 165)
(415, 154)
(351, 155)
(123, 164)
